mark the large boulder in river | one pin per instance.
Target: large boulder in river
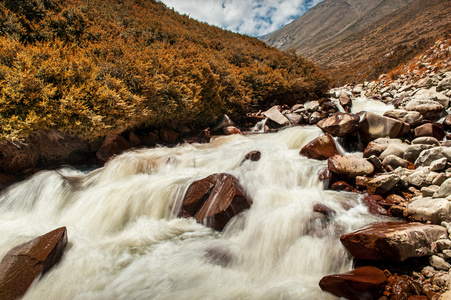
(24, 263)
(362, 283)
(349, 166)
(340, 124)
(275, 115)
(374, 126)
(393, 241)
(320, 148)
(214, 200)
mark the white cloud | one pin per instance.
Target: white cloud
(252, 17)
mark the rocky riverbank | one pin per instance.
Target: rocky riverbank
(399, 161)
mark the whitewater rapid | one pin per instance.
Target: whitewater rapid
(125, 241)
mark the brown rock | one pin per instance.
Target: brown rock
(24, 263)
(320, 148)
(323, 209)
(430, 129)
(374, 208)
(362, 283)
(231, 130)
(349, 166)
(214, 200)
(374, 126)
(134, 139)
(341, 186)
(150, 139)
(169, 136)
(374, 149)
(252, 156)
(114, 144)
(401, 287)
(392, 241)
(340, 124)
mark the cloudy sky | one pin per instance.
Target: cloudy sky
(251, 17)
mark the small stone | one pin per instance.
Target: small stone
(439, 263)
(428, 191)
(439, 164)
(439, 179)
(444, 244)
(428, 272)
(446, 254)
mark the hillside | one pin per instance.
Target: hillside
(89, 68)
(367, 49)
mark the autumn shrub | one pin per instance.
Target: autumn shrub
(90, 68)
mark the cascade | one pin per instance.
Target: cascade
(126, 241)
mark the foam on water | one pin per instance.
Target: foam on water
(125, 241)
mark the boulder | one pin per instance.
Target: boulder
(323, 209)
(393, 241)
(340, 124)
(395, 162)
(444, 190)
(427, 156)
(429, 109)
(214, 200)
(424, 94)
(294, 118)
(252, 156)
(320, 148)
(382, 184)
(397, 149)
(349, 166)
(374, 149)
(114, 144)
(374, 126)
(345, 100)
(430, 129)
(429, 209)
(413, 151)
(426, 140)
(413, 118)
(276, 116)
(362, 283)
(24, 263)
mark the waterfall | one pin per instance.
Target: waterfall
(125, 241)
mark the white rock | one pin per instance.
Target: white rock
(439, 263)
(444, 190)
(435, 210)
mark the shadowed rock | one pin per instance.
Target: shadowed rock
(214, 200)
(114, 144)
(362, 283)
(393, 241)
(24, 263)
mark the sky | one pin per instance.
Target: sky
(251, 17)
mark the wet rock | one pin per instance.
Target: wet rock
(114, 144)
(413, 118)
(374, 208)
(340, 124)
(374, 126)
(349, 166)
(429, 209)
(392, 241)
(341, 186)
(439, 263)
(252, 156)
(323, 209)
(228, 130)
(24, 263)
(382, 184)
(276, 116)
(430, 129)
(214, 200)
(401, 287)
(320, 148)
(362, 283)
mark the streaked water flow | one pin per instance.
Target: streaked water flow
(125, 241)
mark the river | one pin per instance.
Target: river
(125, 241)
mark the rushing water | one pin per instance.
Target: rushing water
(125, 241)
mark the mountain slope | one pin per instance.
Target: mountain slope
(376, 42)
(93, 67)
(329, 21)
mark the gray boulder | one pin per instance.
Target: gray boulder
(435, 210)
